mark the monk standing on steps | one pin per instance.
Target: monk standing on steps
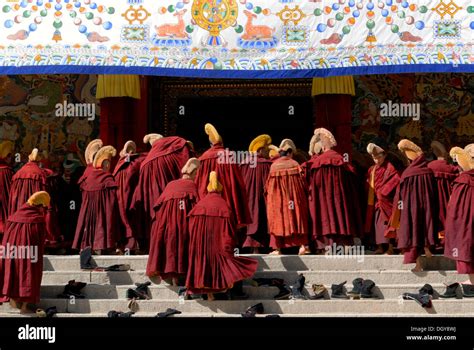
(97, 226)
(162, 164)
(415, 208)
(219, 159)
(6, 176)
(444, 174)
(169, 243)
(287, 202)
(459, 225)
(126, 175)
(255, 174)
(334, 201)
(20, 277)
(382, 181)
(213, 265)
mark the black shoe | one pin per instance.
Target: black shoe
(141, 291)
(450, 291)
(366, 290)
(253, 310)
(284, 293)
(357, 289)
(338, 291)
(423, 299)
(468, 290)
(85, 259)
(51, 311)
(119, 314)
(297, 290)
(427, 289)
(168, 313)
(73, 289)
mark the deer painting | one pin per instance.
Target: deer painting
(256, 32)
(171, 29)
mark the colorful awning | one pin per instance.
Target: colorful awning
(236, 38)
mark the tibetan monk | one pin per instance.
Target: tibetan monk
(92, 148)
(287, 202)
(221, 160)
(382, 183)
(334, 203)
(169, 242)
(255, 173)
(444, 174)
(213, 266)
(415, 207)
(459, 224)
(20, 276)
(162, 164)
(29, 179)
(6, 176)
(97, 226)
(126, 175)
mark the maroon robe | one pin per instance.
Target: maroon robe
(334, 203)
(255, 177)
(445, 174)
(162, 164)
(213, 266)
(417, 221)
(97, 226)
(126, 175)
(229, 175)
(6, 175)
(20, 278)
(287, 204)
(379, 208)
(459, 229)
(169, 242)
(28, 180)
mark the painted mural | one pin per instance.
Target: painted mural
(445, 102)
(28, 115)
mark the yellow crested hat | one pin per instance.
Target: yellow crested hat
(6, 148)
(260, 141)
(191, 165)
(152, 138)
(411, 150)
(34, 156)
(374, 149)
(92, 149)
(105, 153)
(464, 159)
(130, 147)
(470, 149)
(315, 146)
(287, 144)
(214, 184)
(214, 136)
(39, 198)
(326, 137)
(273, 151)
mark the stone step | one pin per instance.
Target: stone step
(222, 315)
(269, 262)
(218, 315)
(316, 307)
(320, 277)
(162, 292)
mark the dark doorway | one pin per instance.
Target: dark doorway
(240, 119)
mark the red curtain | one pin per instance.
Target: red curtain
(125, 118)
(334, 112)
